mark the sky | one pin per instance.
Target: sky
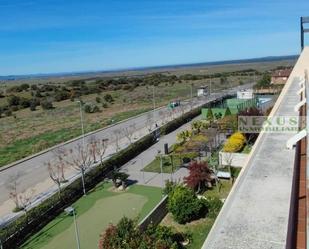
(52, 36)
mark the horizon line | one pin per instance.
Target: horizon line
(210, 63)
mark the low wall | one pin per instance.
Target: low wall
(156, 215)
(232, 159)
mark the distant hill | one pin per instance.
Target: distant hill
(214, 63)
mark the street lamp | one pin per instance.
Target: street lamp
(161, 168)
(81, 121)
(71, 210)
(142, 169)
(191, 95)
(172, 164)
(154, 103)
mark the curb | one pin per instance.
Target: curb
(3, 168)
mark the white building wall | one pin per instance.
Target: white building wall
(246, 94)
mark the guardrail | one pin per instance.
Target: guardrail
(306, 84)
(303, 109)
(304, 94)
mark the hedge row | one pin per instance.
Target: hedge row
(176, 123)
(18, 231)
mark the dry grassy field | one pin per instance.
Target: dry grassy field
(28, 132)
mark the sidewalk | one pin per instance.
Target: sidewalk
(135, 166)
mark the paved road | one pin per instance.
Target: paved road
(35, 175)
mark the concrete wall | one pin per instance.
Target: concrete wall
(156, 215)
(266, 105)
(232, 159)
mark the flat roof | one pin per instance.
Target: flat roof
(255, 214)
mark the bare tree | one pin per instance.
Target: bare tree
(60, 154)
(149, 121)
(129, 132)
(25, 198)
(101, 148)
(168, 114)
(21, 198)
(93, 143)
(55, 173)
(117, 135)
(12, 186)
(182, 109)
(80, 160)
(162, 116)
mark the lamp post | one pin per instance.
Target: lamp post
(172, 164)
(142, 169)
(76, 230)
(154, 103)
(153, 98)
(161, 168)
(191, 86)
(71, 210)
(82, 121)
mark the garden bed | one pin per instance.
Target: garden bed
(199, 229)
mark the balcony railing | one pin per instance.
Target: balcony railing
(297, 231)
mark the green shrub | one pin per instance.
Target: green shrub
(46, 104)
(108, 98)
(126, 235)
(61, 95)
(214, 205)
(169, 187)
(98, 100)
(14, 108)
(24, 103)
(91, 108)
(184, 205)
(33, 104)
(8, 113)
(13, 100)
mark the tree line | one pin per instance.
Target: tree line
(45, 95)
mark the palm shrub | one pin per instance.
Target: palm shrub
(184, 136)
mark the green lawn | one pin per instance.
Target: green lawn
(167, 166)
(25, 147)
(198, 229)
(225, 188)
(94, 212)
